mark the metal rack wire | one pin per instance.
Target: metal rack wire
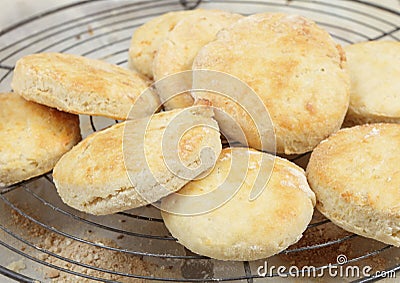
(102, 29)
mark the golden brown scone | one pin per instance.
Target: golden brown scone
(296, 69)
(116, 169)
(241, 229)
(356, 178)
(374, 69)
(32, 138)
(80, 85)
(181, 45)
(147, 38)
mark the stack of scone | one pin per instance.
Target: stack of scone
(236, 203)
(309, 88)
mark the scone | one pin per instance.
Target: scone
(181, 45)
(235, 228)
(374, 69)
(137, 162)
(33, 137)
(296, 69)
(147, 38)
(80, 85)
(356, 179)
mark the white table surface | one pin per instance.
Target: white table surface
(13, 11)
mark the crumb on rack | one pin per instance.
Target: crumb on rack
(86, 254)
(326, 255)
(17, 266)
(52, 273)
(90, 30)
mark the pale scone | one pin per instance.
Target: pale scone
(33, 137)
(296, 69)
(374, 69)
(181, 45)
(147, 38)
(234, 227)
(137, 162)
(80, 85)
(356, 179)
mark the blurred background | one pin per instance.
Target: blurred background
(13, 11)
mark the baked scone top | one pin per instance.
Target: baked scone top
(79, 85)
(360, 165)
(240, 228)
(296, 69)
(374, 69)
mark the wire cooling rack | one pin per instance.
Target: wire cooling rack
(102, 29)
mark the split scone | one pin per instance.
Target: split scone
(81, 85)
(215, 217)
(137, 162)
(33, 137)
(147, 38)
(295, 68)
(374, 69)
(176, 53)
(356, 179)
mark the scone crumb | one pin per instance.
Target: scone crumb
(52, 273)
(17, 266)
